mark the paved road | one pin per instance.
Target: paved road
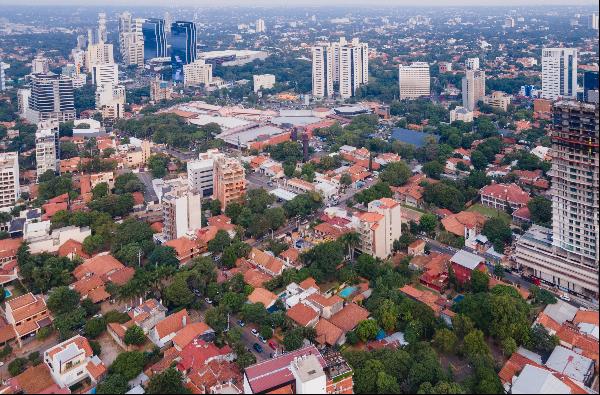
(149, 194)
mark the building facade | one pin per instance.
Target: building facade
(182, 212)
(414, 80)
(183, 47)
(155, 40)
(229, 181)
(9, 179)
(473, 88)
(322, 72)
(559, 73)
(50, 97)
(197, 73)
(47, 147)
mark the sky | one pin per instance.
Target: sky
(300, 3)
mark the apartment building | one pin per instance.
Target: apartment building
(229, 180)
(73, 361)
(9, 179)
(473, 88)
(498, 100)
(197, 73)
(160, 90)
(559, 73)
(379, 227)
(182, 212)
(461, 114)
(567, 255)
(414, 80)
(27, 314)
(322, 71)
(47, 147)
(201, 172)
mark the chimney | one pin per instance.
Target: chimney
(304, 147)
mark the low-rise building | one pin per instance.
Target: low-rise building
(27, 314)
(502, 196)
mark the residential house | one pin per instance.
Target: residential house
(27, 314)
(503, 196)
(463, 264)
(165, 330)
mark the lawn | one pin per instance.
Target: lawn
(490, 212)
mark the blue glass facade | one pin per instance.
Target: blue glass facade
(155, 40)
(183, 46)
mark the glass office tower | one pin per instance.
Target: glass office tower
(183, 47)
(155, 40)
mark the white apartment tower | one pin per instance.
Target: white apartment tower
(105, 73)
(102, 34)
(473, 88)
(559, 73)
(201, 172)
(9, 179)
(131, 41)
(260, 26)
(40, 65)
(414, 80)
(472, 64)
(100, 53)
(322, 73)
(182, 212)
(47, 149)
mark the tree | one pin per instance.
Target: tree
(542, 296)
(540, 341)
(366, 377)
(445, 340)
(293, 339)
(367, 330)
(17, 366)
(168, 382)
(396, 173)
(442, 387)
(351, 240)
(112, 384)
(158, 165)
(134, 335)
(387, 315)
(178, 292)
(100, 191)
(479, 281)
(387, 384)
(127, 183)
(163, 255)
(478, 160)
(94, 327)
(428, 223)
(220, 241)
(323, 260)
(540, 209)
(62, 300)
(128, 364)
(433, 169)
(215, 207)
(509, 346)
(345, 179)
(216, 318)
(498, 232)
(475, 347)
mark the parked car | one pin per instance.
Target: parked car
(254, 332)
(273, 344)
(257, 347)
(207, 300)
(262, 339)
(565, 297)
(241, 323)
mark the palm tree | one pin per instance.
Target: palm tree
(351, 240)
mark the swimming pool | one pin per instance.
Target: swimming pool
(7, 293)
(346, 292)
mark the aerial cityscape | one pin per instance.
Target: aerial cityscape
(309, 198)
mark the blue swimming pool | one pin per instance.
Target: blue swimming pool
(7, 293)
(346, 292)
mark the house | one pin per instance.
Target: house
(34, 380)
(72, 249)
(572, 364)
(198, 354)
(186, 248)
(166, 329)
(349, 317)
(192, 332)
(8, 259)
(266, 262)
(325, 306)
(148, 314)
(27, 314)
(261, 295)
(73, 361)
(434, 268)
(465, 224)
(417, 247)
(328, 334)
(117, 331)
(93, 274)
(303, 371)
(303, 315)
(463, 264)
(429, 298)
(503, 196)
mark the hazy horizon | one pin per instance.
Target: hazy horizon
(301, 3)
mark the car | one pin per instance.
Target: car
(565, 297)
(262, 339)
(257, 347)
(99, 315)
(1, 364)
(255, 332)
(241, 323)
(273, 344)
(207, 300)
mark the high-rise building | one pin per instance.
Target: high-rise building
(40, 65)
(102, 34)
(472, 64)
(229, 180)
(9, 179)
(509, 22)
(322, 72)
(107, 73)
(3, 67)
(183, 47)
(473, 88)
(47, 147)
(197, 73)
(168, 21)
(133, 49)
(201, 172)
(260, 26)
(110, 100)
(335, 57)
(594, 21)
(182, 212)
(155, 40)
(590, 84)
(160, 90)
(379, 227)
(354, 67)
(50, 97)
(100, 53)
(559, 73)
(414, 80)
(567, 255)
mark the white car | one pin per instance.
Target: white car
(565, 297)
(254, 332)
